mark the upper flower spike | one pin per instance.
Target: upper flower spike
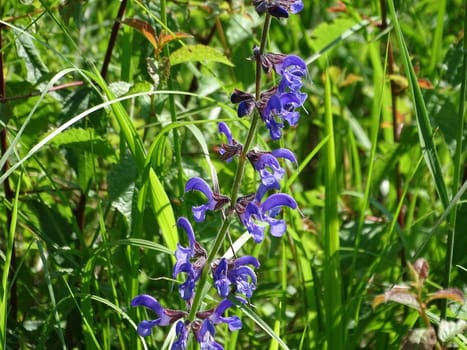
(278, 8)
(215, 200)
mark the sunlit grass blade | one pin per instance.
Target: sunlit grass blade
(423, 122)
(261, 323)
(332, 275)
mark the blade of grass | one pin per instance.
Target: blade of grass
(438, 36)
(332, 275)
(423, 122)
(50, 287)
(10, 241)
(260, 323)
(376, 116)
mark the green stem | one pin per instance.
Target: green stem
(221, 235)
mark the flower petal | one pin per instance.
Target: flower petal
(145, 327)
(246, 260)
(199, 212)
(198, 184)
(293, 60)
(186, 226)
(278, 199)
(276, 227)
(224, 129)
(284, 153)
(149, 302)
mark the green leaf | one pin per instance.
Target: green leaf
(71, 9)
(121, 185)
(121, 176)
(162, 156)
(28, 52)
(425, 128)
(163, 211)
(198, 53)
(83, 140)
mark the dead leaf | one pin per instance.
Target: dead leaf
(146, 29)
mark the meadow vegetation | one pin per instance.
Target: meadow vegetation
(109, 108)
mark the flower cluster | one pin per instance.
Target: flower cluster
(203, 327)
(234, 279)
(279, 103)
(278, 8)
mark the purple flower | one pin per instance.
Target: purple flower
(181, 331)
(221, 281)
(232, 148)
(292, 69)
(234, 323)
(254, 214)
(276, 106)
(205, 336)
(235, 272)
(268, 166)
(206, 330)
(278, 8)
(190, 260)
(245, 100)
(215, 200)
(269, 107)
(166, 316)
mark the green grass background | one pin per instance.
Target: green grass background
(93, 174)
